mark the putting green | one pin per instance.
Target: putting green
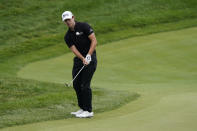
(161, 67)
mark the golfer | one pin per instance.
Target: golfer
(81, 40)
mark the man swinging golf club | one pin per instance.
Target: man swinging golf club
(81, 40)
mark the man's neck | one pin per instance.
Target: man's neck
(73, 27)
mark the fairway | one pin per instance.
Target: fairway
(161, 67)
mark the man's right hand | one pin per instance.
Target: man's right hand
(85, 61)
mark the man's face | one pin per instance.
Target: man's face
(70, 22)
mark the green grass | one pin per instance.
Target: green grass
(31, 18)
(161, 67)
(32, 30)
(27, 101)
(167, 57)
(37, 24)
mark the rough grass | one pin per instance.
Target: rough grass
(28, 25)
(27, 101)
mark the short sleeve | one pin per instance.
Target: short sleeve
(68, 40)
(87, 29)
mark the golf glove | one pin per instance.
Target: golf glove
(88, 58)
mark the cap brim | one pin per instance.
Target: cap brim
(66, 18)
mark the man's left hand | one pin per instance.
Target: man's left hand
(88, 58)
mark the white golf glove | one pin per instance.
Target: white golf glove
(88, 58)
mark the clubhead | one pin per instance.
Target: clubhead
(70, 85)
(67, 85)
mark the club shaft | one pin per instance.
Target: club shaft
(77, 74)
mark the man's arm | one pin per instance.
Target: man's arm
(93, 44)
(78, 54)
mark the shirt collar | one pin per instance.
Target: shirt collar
(76, 23)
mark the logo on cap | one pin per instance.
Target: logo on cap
(65, 15)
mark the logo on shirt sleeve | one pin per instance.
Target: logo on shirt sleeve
(91, 30)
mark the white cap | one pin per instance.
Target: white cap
(67, 15)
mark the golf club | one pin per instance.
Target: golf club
(69, 84)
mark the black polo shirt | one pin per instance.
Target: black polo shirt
(79, 37)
